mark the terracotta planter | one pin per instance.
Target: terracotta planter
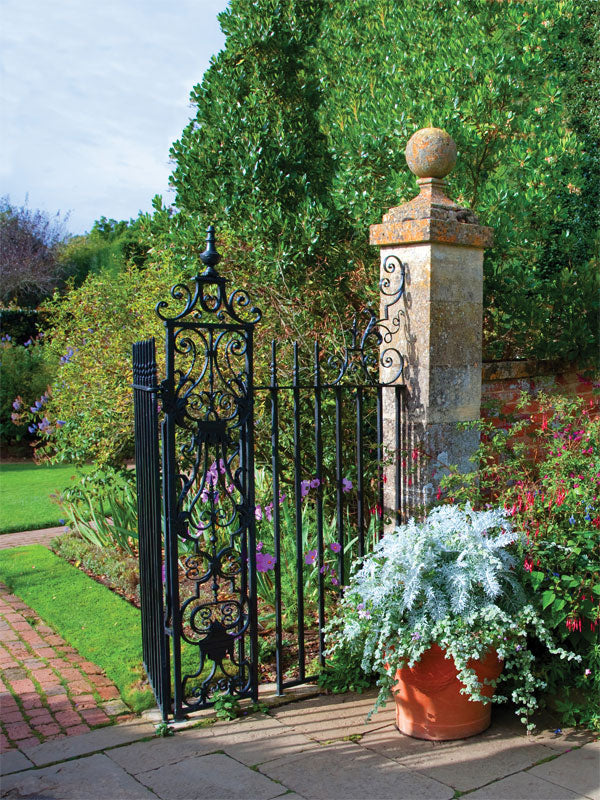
(429, 704)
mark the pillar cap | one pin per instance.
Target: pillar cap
(432, 216)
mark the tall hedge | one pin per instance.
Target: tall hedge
(301, 121)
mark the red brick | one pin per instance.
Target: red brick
(59, 703)
(27, 744)
(95, 716)
(31, 700)
(91, 669)
(67, 718)
(85, 701)
(18, 730)
(46, 652)
(42, 718)
(12, 716)
(52, 638)
(79, 687)
(5, 745)
(108, 692)
(71, 674)
(76, 730)
(22, 686)
(48, 730)
(101, 680)
(41, 675)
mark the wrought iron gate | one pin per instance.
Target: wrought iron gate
(321, 462)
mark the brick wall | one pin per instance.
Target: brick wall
(503, 382)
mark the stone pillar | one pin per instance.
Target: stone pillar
(437, 324)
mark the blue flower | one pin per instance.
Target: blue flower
(572, 520)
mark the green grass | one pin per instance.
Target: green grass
(25, 491)
(99, 624)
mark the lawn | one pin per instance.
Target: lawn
(25, 491)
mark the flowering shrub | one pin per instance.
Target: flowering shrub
(448, 581)
(25, 372)
(549, 484)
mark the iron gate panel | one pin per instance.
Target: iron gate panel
(208, 489)
(154, 640)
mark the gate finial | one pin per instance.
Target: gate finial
(210, 258)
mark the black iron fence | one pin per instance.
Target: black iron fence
(269, 492)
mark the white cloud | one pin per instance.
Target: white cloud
(94, 95)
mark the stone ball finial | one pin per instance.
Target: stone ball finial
(431, 153)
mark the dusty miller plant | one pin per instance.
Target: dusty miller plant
(449, 581)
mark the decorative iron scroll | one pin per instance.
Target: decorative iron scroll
(209, 475)
(371, 348)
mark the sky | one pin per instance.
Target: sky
(92, 95)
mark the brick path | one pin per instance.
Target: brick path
(47, 690)
(43, 536)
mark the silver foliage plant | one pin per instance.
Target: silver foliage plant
(450, 580)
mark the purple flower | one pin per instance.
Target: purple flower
(269, 511)
(265, 562)
(572, 520)
(415, 636)
(60, 422)
(259, 546)
(281, 498)
(346, 484)
(336, 547)
(323, 569)
(17, 404)
(32, 428)
(334, 580)
(304, 488)
(362, 612)
(258, 514)
(44, 424)
(310, 557)
(61, 522)
(15, 417)
(315, 483)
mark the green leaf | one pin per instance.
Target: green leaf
(548, 597)
(536, 579)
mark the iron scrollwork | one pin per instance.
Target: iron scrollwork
(371, 348)
(207, 400)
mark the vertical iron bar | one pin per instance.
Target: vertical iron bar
(298, 515)
(276, 517)
(359, 469)
(250, 503)
(338, 480)
(171, 533)
(398, 455)
(319, 476)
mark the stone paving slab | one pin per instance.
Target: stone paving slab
(160, 752)
(257, 740)
(349, 771)
(100, 739)
(578, 770)
(212, 776)
(523, 786)
(13, 761)
(47, 690)
(93, 778)
(335, 716)
(464, 764)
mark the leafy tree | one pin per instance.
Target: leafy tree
(109, 246)
(29, 243)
